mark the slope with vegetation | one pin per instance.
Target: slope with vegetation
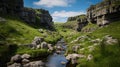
(14, 33)
(93, 43)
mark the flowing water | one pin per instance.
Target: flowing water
(58, 59)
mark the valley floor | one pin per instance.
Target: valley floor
(98, 48)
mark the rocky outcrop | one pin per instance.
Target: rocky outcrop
(39, 43)
(24, 61)
(101, 14)
(38, 17)
(17, 58)
(82, 22)
(105, 12)
(78, 22)
(33, 17)
(74, 57)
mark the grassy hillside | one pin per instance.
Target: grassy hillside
(103, 55)
(112, 29)
(14, 33)
(67, 33)
(17, 32)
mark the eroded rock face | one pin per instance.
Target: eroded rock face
(79, 22)
(34, 17)
(104, 12)
(82, 22)
(37, 17)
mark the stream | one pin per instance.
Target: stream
(58, 59)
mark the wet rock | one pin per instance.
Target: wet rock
(58, 51)
(44, 45)
(50, 47)
(36, 64)
(73, 57)
(63, 62)
(38, 46)
(25, 56)
(26, 65)
(15, 65)
(17, 58)
(25, 61)
(37, 40)
(58, 47)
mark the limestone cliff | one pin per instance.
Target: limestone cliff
(77, 22)
(34, 17)
(104, 12)
(38, 17)
(101, 14)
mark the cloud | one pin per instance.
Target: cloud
(53, 3)
(63, 15)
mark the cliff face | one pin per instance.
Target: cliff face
(11, 7)
(38, 17)
(35, 17)
(78, 22)
(101, 14)
(104, 12)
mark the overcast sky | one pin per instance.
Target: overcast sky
(60, 10)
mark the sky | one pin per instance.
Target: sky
(60, 10)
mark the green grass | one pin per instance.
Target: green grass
(15, 31)
(102, 58)
(18, 32)
(36, 53)
(113, 29)
(104, 55)
(90, 26)
(67, 33)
